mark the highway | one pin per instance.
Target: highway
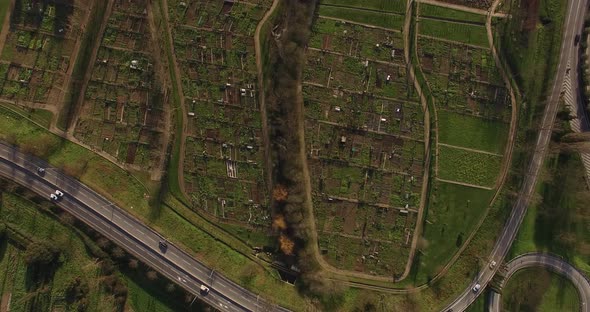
(129, 233)
(552, 263)
(573, 24)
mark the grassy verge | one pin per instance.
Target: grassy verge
(465, 33)
(472, 132)
(89, 41)
(439, 12)
(391, 20)
(452, 215)
(539, 290)
(173, 182)
(75, 262)
(468, 167)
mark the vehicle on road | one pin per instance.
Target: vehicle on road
(53, 196)
(492, 264)
(576, 40)
(40, 171)
(204, 289)
(59, 193)
(476, 288)
(163, 246)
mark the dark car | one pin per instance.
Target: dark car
(576, 39)
(163, 246)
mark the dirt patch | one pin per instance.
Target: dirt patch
(5, 304)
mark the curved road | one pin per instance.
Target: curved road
(129, 233)
(552, 263)
(573, 24)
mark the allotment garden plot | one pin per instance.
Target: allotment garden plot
(40, 50)
(123, 112)
(473, 111)
(365, 145)
(224, 159)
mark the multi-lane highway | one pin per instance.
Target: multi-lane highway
(573, 24)
(129, 233)
(552, 263)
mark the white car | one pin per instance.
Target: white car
(53, 196)
(59, 193)
(492, 264)
(204, 289)
(476, 288)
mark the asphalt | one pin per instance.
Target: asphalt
(551, 262)
(573, 24)
(129, 233)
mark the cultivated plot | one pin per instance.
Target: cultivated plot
(224, 159)
(39, 51)
(124, 109)
(365, 143)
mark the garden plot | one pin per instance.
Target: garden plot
(464, 79)
(123, 112)
(40, 50)
(364, 137)
(224, 159)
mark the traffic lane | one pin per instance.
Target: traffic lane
(135, 247)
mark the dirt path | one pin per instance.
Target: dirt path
(462, 8)
(88, 74)
(5, 26)
(262, 94)
(466, 184)
(182, 100)
(425, 180)
(470, 149)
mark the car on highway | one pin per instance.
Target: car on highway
(576, 40)
(41, 171)
(492, 264)
(59, 193)
(476, 288)
(53, 196)
(204, 289)
(163, 246)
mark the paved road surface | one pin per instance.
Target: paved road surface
(572, 25)
(126, 231)
(552, 263)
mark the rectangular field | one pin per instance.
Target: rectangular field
(468, 167)
(459, 32)
(472, 132)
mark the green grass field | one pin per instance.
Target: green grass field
(468, 167)
(452, 214)
(465, 33)
(472, 132)
(76, 262)
(387, 20)
(439, 12)
(539, 290)
(398, 6)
